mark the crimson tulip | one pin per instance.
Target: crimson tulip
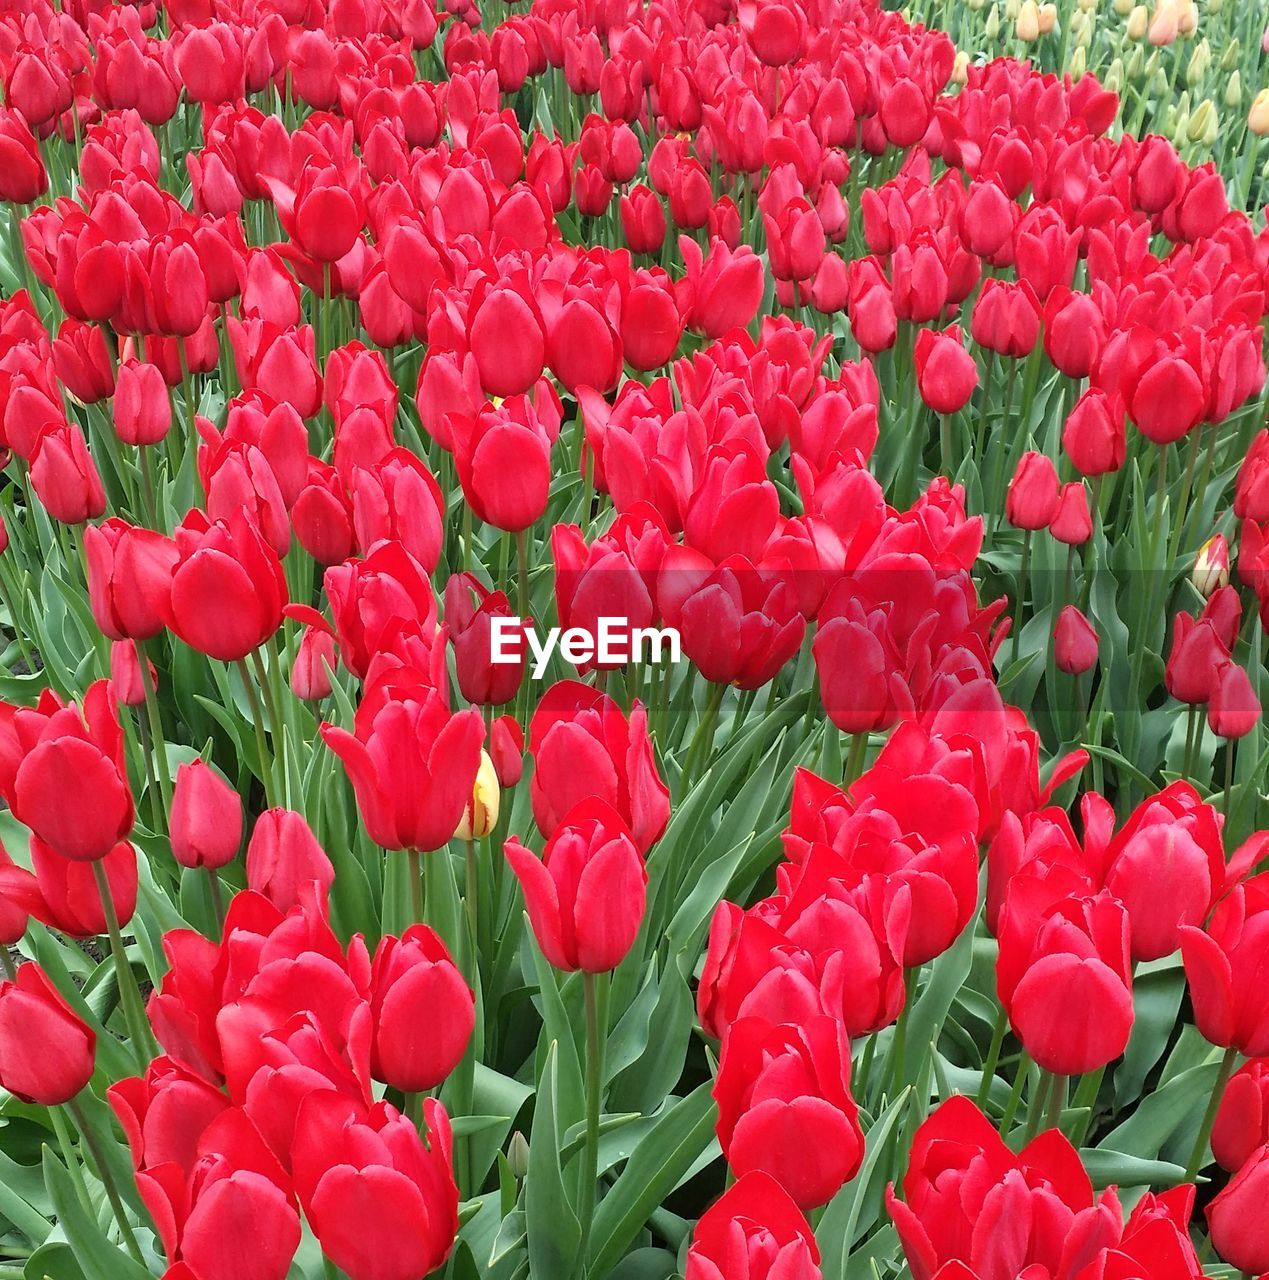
(46, 1051)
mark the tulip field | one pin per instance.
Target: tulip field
(633, 640)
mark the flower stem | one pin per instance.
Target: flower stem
(416, 885)
(107, 1179)
(1209, 1116)
(129, 992)
(595, 992)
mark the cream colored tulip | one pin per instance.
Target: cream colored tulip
(1027, 26)
(1048, 19)
(1234, 91)
(1138, 23)
(1258, 116)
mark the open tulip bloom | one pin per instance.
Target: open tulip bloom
(633, 640)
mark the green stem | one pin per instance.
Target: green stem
(415, 859)
(67, 1146)
(105, 1176)
(1209, 1116)
(855, 758)
(157, 741)
(129, 992)
(1023, 567)
(257, 719)
(472, 904)
(217, 897)
(595, 993)
(993, 1057)
(899, 1049)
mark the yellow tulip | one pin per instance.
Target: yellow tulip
(1258, 116)
(481, 815)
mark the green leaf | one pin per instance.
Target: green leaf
(551, 1225)
(97, 1255)
(662, 1158)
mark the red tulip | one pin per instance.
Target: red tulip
(46, 1051)
(1242, 1123)
(784, 1106)
(205, 824)
(470, 614)
(963, 1185)
(1075, 642)
(411, 762)
(64, 476)
(129, 578)
(142, 409)
(583, 745)
(1072, 523)
(1224, 964)
(1234, 709)
(422, 1009)
(379, 1196)
(284, 858)
(1094, 436)
(754, 1231)
(1063, 976)
(946, 372)
(585, 896)
(1236, 1219)
(1033, 496)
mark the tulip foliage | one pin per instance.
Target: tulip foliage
(903, 912)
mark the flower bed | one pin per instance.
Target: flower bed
(623, 653)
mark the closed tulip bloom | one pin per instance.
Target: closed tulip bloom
(506, 749)
(1006, 318)
(69, 779)
(283, 857)
(987, 219)
(142, 408)
(379, 1195)
(1168, 399)
(423, 1012)
(963, 1185)
(1032, 500)
(129, 578)
(1065, 978)
(1074, 332)
(315, 660)
(946, 372)
(1224, 966)
(503, 456)
(228, 588)
(206, 820)
(585, 896)
(412, 764)
(46, 1051)
(1251, 489)
(723, 290)
(1211, 566)
(470, 614)
(643, 220)
(583, 745)
(1074, 642)
(785, 1108)
(1242, 1123)
(126, 681)
(1234, 709)
(508, 342)
(66, 896)
(1197, 655)
(1072, 523)
(754, 1231)
(65, 478)
(23, 177)
(1236, 1218)
(1093, 436)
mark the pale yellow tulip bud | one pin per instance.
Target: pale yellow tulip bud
(1048, 19)
(1079, 63)
(1027, 26)
(1199, 63)
(1211, 566)
(1214, 7)
(1187, 18)
(1258, 116)
(518, 1155)
(960, 68)
(1138, 22)
(1087, 6)
(481, 815)
(1232, 58)
(992, 27)
(1123, 7)
(1234, 90)
(1011, 10)
(1114, 79)
(1085, 37)
(1203, 123)
(976, 5)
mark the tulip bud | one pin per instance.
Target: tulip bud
(206, 819)
(960, 67)
(1027, 27)
(315, 659)
(46, 1052)
(1079, 63)
(1234, 90)
(142, 409)
(1138, 22)
(1123, 7)
(518, 1155)
(1074, 642)
(1258, 116)
(1234, 709)
(1012, 8)
(481, 814)
(1187, 18)
(1199, 63)
(1203, 123)
(1165, 25)
(1235, 1216)
(1135, 68)
(1072, 523)
(1233, 56)
(506, 748)
(1088, 6)
(1211, 566)
(1048, 19)
(283, 855)
(976, 5)
(125, 673)
(1032, 499)
(991, 28)
(1114, 81)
